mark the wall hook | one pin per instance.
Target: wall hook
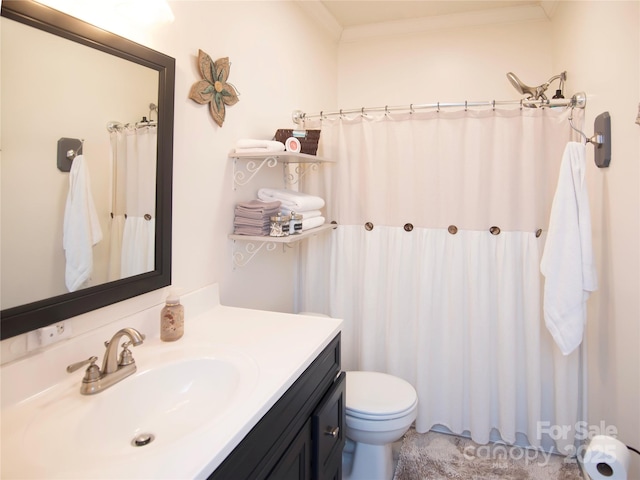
(68, 149)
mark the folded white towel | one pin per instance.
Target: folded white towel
(312, 223)
(567, 261)
(297, 201)
(81, 227)
(250, 145)
(305, 214)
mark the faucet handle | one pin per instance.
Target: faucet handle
(75, 366)
(126, 358)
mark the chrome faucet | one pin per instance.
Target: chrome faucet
(114, 368)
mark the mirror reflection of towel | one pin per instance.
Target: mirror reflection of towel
(81, 229)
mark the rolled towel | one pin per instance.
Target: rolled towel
(251, 145)
(312, 223)
(297, 201)
(305, 214)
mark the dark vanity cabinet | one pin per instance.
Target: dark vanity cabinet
(302, 435)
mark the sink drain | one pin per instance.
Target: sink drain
(143, 439)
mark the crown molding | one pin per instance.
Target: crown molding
(319, 13)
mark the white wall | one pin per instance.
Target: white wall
(443, 65)
(599, 44)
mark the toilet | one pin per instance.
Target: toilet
(380, 408)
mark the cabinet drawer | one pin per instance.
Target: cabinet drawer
(329, 429)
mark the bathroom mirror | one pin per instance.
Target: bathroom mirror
(53, 26)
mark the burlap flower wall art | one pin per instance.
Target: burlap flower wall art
(214, 88)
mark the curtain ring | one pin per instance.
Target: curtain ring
(495, 230)
(521, 104)
(452, 229)
(493, 105)
(538, 233)
(386, 110)
(465, 105)
(408, 227)
(411, 108)
(362, 112)
(368, 226)
(341, 115)
(438, 107)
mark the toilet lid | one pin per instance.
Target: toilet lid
(375, 394)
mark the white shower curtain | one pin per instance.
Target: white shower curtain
(133, 199)
(435, 265)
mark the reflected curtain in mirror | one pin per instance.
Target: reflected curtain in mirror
(133, 152)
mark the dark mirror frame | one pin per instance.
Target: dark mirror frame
(24, 318)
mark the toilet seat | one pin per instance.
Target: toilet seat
(378, 396)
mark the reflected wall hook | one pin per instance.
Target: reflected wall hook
(68, 149)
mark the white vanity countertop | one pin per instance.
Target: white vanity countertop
(283, 346)
(280, 345)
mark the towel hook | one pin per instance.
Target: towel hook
(601, 139)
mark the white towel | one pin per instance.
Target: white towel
(291, 200)
(312, 223)
(251, 145)
(567, 261)
(81, 228)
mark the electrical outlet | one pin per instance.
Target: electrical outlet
(47, 335)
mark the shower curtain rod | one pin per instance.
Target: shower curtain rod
(578, 100)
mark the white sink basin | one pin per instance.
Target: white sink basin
(61, 433)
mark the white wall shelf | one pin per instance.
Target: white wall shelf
(252, 163)
(254, 244)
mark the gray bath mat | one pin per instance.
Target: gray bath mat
(438, 456)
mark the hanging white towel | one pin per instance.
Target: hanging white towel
(567, 261)
(81, 228)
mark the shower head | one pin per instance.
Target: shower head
(536, 93)
(520, 86)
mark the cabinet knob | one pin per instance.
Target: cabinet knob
(332, 432)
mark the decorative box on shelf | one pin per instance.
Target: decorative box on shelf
(308, 139)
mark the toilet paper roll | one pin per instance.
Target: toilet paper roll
(292, 144)
(606, 458)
